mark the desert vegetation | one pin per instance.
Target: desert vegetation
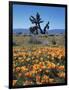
(37, 21)
(38, 58)
(38, 65)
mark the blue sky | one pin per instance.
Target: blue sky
(55, 15)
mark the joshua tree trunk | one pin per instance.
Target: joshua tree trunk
(45, 29)
(37, 29)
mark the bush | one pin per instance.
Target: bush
(46, 36)
(14, 43)
(54, 42)
(51, 35)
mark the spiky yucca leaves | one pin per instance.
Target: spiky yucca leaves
(37, 21)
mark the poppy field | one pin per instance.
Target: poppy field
(38, 65)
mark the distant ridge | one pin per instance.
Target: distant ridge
(24, 31)
(53, 31)
(56, 31)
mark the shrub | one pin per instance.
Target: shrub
(51, 35)
(54, 42)
(14, 43)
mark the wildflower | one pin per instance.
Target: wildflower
(61, 75)
(14, 82)
(17, 69)
(23, 68)
(28, 74)
(61, 67)
(37, 78)
(51, 80)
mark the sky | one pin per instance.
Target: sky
(55, 15)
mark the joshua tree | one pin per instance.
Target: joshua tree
(37, 21)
